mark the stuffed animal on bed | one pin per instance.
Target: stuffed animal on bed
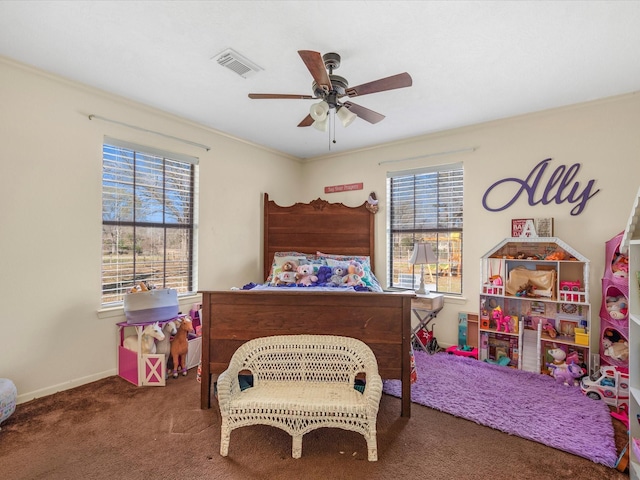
(305, 276)
(285, 278)
(352, 280)
(324, 275)
(337, 274)
(355, 268)
(287, 274)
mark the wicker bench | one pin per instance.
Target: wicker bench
(300, 383)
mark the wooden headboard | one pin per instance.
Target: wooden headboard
(317, 226)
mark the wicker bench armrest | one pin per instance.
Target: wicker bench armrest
(228, 385)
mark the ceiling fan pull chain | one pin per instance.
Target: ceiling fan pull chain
(333, 125)
(331, 129)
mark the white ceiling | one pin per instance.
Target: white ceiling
(470, 61)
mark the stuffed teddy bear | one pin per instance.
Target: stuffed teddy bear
(352, 280)
(305, 276)
(337, 274)
(355, 268)
(324, 275)
(618, 350)
(286, 275)
(617, 307)
(288, 266)
(285, 278)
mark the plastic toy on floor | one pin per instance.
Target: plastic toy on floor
(502, 361)
(464, 351)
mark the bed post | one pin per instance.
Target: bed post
(205, 366)
(266, 261)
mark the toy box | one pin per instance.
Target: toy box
(157, 305)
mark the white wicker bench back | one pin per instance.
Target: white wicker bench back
(306, 358)
(300, 383)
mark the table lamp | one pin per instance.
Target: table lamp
(422, 255)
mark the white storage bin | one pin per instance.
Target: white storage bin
(157, 305)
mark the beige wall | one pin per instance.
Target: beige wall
(52, 337)
(50, 195)
(601, 136)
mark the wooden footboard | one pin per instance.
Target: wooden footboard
(381, 320)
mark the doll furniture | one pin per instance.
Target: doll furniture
(300, 383)
(135, 366)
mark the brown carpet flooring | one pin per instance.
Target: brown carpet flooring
(111, 429)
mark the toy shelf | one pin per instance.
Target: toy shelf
(630, 245)
(541, 285)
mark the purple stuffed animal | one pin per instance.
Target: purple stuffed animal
(568, 375)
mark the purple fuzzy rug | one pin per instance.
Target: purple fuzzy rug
(517, 402)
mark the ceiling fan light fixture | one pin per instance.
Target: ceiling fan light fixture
(322, 125)
(319, 111)
(346, 116)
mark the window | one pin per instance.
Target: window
(147, 219)
(425, 205)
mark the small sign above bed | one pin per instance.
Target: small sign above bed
(347, 187)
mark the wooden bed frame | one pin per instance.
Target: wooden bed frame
(381, 320)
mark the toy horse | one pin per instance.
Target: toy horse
(501, 320)
(568, 375)
(150, 334)
(163, 346)
(180, 347)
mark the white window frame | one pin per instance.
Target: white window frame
(426, 205)
(185, 178)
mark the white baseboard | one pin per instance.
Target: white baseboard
(25, 397)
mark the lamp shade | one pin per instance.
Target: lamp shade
(319, 111)
(321, 125)
(422, 254)
(346, 116)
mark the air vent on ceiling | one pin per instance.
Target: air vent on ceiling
(234, 61)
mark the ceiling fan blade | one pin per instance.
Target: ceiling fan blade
(315, 64)
(279, 96)
(389, 83)
(364, 113)
(307, 122)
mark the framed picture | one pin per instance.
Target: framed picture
(567, 328)
(523, 227)
(544, 227)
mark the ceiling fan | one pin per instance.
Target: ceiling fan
(330, 89)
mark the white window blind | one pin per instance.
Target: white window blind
(426, 205)
(147, 219)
